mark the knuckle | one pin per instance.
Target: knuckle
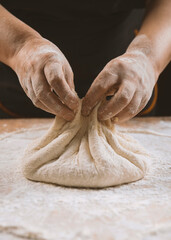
(109, 73)
(125, 96)
(54, 79)
(119, 63)
(47, 56)
(132, 111)
(100, 86)
(124, 99)
(103, 82)
(105, 73)
(51, 75)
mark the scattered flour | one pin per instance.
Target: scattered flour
(136, 211)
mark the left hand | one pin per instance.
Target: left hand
(130, 79)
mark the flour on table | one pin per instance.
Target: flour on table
(136, 211)
(85, 153)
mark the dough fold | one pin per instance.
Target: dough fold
(84, 153)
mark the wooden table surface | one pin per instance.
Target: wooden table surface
(139, 210)
(9, 125)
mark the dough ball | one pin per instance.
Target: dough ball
(84, 153)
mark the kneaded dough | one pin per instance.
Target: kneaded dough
(84, 153)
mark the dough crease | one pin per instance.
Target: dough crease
(84, 153)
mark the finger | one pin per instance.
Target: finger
(144, 102)
(117, 103)
(104, 83)
(68, 73)
(31, 94)
(131, 110)
(49, 99)
(56, 79)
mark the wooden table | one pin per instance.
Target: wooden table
(10, 125)
(38, 211)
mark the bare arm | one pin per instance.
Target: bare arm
(43, 71)
(154, 37)
(131, 77)
(14, 34)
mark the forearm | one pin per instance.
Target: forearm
(13, 35)
(154, 37)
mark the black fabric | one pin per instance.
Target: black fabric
(164, 98)
(64, 10)
(89, 33)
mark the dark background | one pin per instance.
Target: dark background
(163, 107)
(98, 31)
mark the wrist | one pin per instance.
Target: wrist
(142, 46)
(21, 41)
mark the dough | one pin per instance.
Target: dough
(84, 153)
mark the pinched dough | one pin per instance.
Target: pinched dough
(84, 153)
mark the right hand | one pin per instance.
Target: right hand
(46, 77)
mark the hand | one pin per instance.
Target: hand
(46, 77)
(130, 79)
